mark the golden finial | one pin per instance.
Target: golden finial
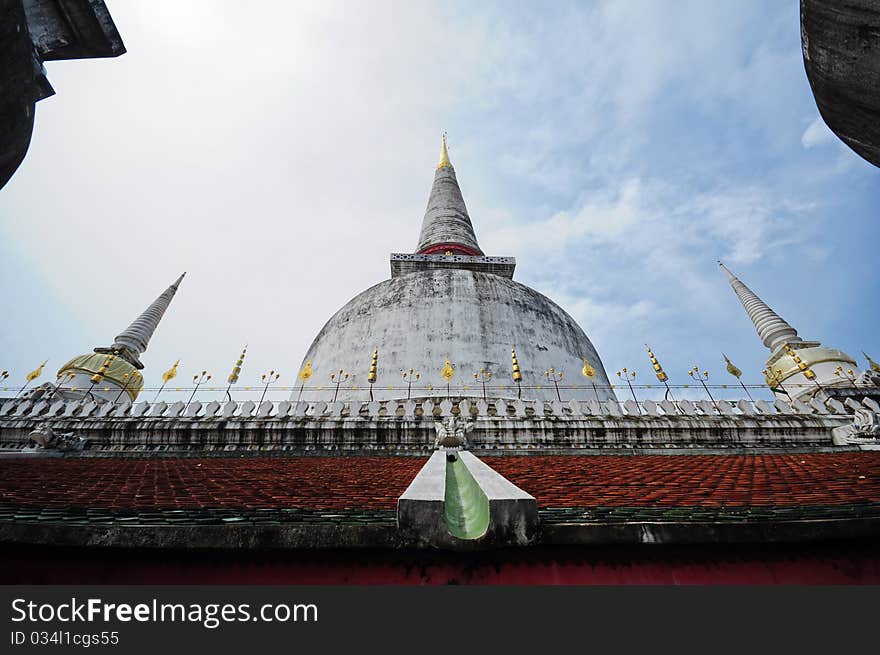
(588, 371)
(517, 375)
(733, 370)
(171, 373)
(374, 363)
(306, 372)
(37, 372)
(236, 369)
(444, 155)
(447, 371)
(658, 369)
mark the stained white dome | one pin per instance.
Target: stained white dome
(419, 319)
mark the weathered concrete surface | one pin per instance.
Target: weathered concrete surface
(416, 435)
(841, 48)
(419, 319)
(637, 532)
(446, 218)
(420, 509)
(188, 536)
(388, 536)
(403, 263)
(513, 513)
(423, 519)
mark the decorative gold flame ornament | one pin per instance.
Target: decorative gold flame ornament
(733, 370)
(167, 376)
(658, 369)
(517, 375)
(171, 373)
(447, 372)
(304, 375)
(37, 372)
(588, 371)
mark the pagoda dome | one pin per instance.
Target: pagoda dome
(471, 318)
(451, 321)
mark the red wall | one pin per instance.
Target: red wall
(845, 562)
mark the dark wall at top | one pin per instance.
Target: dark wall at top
(18, 87)
(841, 45)
(34, 31)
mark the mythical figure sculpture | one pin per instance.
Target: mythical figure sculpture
(45, 437)
(865, 428)
(451, 432)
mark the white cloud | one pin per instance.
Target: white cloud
(817, 134)
(279, 155)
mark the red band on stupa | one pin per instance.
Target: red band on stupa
(455, 248)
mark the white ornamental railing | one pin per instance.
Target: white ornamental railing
(412, 409)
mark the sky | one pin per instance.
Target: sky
(279, 151)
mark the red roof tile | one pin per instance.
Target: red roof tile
(218, 482)
(695, 480)
(376, 482)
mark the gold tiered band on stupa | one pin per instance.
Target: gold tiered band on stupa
(118, 372)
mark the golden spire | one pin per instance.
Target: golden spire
(374, 364)
(236, 369)
(444, 155)
(517, 375)
(658, 369)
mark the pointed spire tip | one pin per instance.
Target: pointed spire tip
(730, 276)
(444, 155)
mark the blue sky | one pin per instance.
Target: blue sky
(617, 150)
